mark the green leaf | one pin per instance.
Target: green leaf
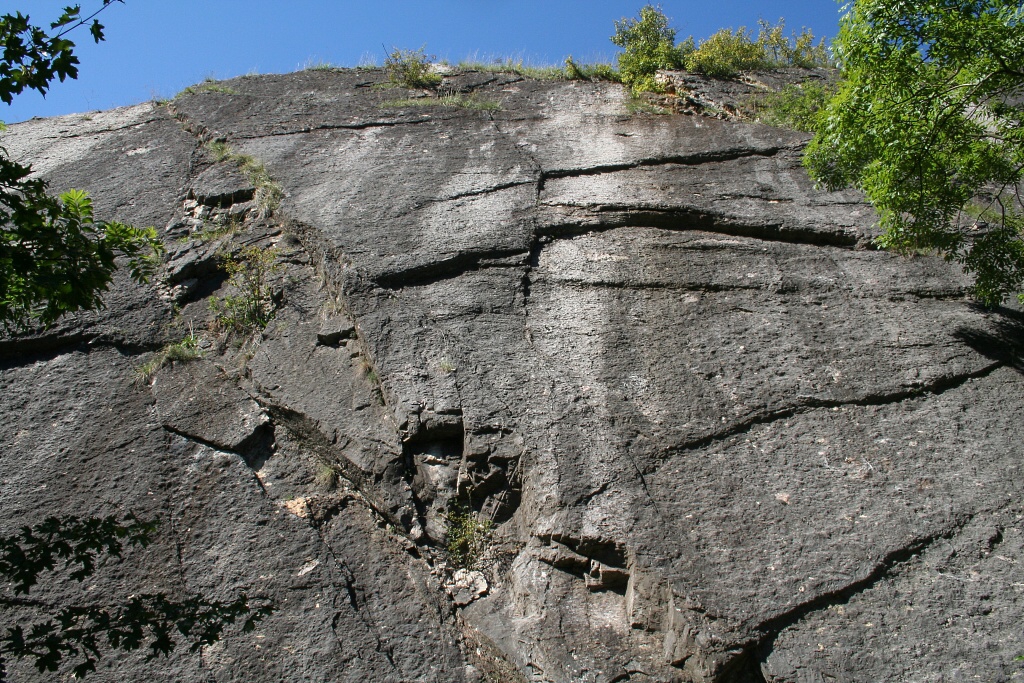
(928, 123)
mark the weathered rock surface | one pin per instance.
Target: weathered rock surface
(720, 437)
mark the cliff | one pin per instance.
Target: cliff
(720, 437)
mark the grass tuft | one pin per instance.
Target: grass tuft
(572, 71)
(367, 61)
(208, 85)
(511, 66)
(268, 193)
(635, 105)
(320, 65)
(185, 350)
(325, 477)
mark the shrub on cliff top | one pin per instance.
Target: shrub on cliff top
(727, 52)
(649, 45)
(410, 69)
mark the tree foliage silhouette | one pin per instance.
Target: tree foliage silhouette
(79, 633)
(929, 122)
(56, 258)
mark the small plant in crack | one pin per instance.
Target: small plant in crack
(185, 350)
(268, 193)
(212, 232)
(371, 376)
(253, 307)
(446, 366)
(468, 536)
(325, 477)
(378, 390)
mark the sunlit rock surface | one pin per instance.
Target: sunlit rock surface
(720, 438)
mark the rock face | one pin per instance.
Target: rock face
(718, 437)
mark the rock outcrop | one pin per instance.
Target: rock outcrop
(719, 437)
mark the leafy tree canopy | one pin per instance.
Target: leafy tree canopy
(928, 122)
(32, 58)
(55, 258)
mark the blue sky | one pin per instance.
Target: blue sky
(155, 48)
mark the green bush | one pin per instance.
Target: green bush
(648, 45)
(468, 535)
(410, 69)
(253, 307)
(807, 54)
(800, 51)
(725, 54)
(795, 106)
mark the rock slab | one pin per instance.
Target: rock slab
(711, 435)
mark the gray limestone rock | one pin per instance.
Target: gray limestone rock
(720, 437)
(221, 185)
(198, 401)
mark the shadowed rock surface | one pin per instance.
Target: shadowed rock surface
(720, 438)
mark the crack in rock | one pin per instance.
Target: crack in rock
(680, 160)
(363, 125)
(938, 387)
(771, 628)
(603, 218)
